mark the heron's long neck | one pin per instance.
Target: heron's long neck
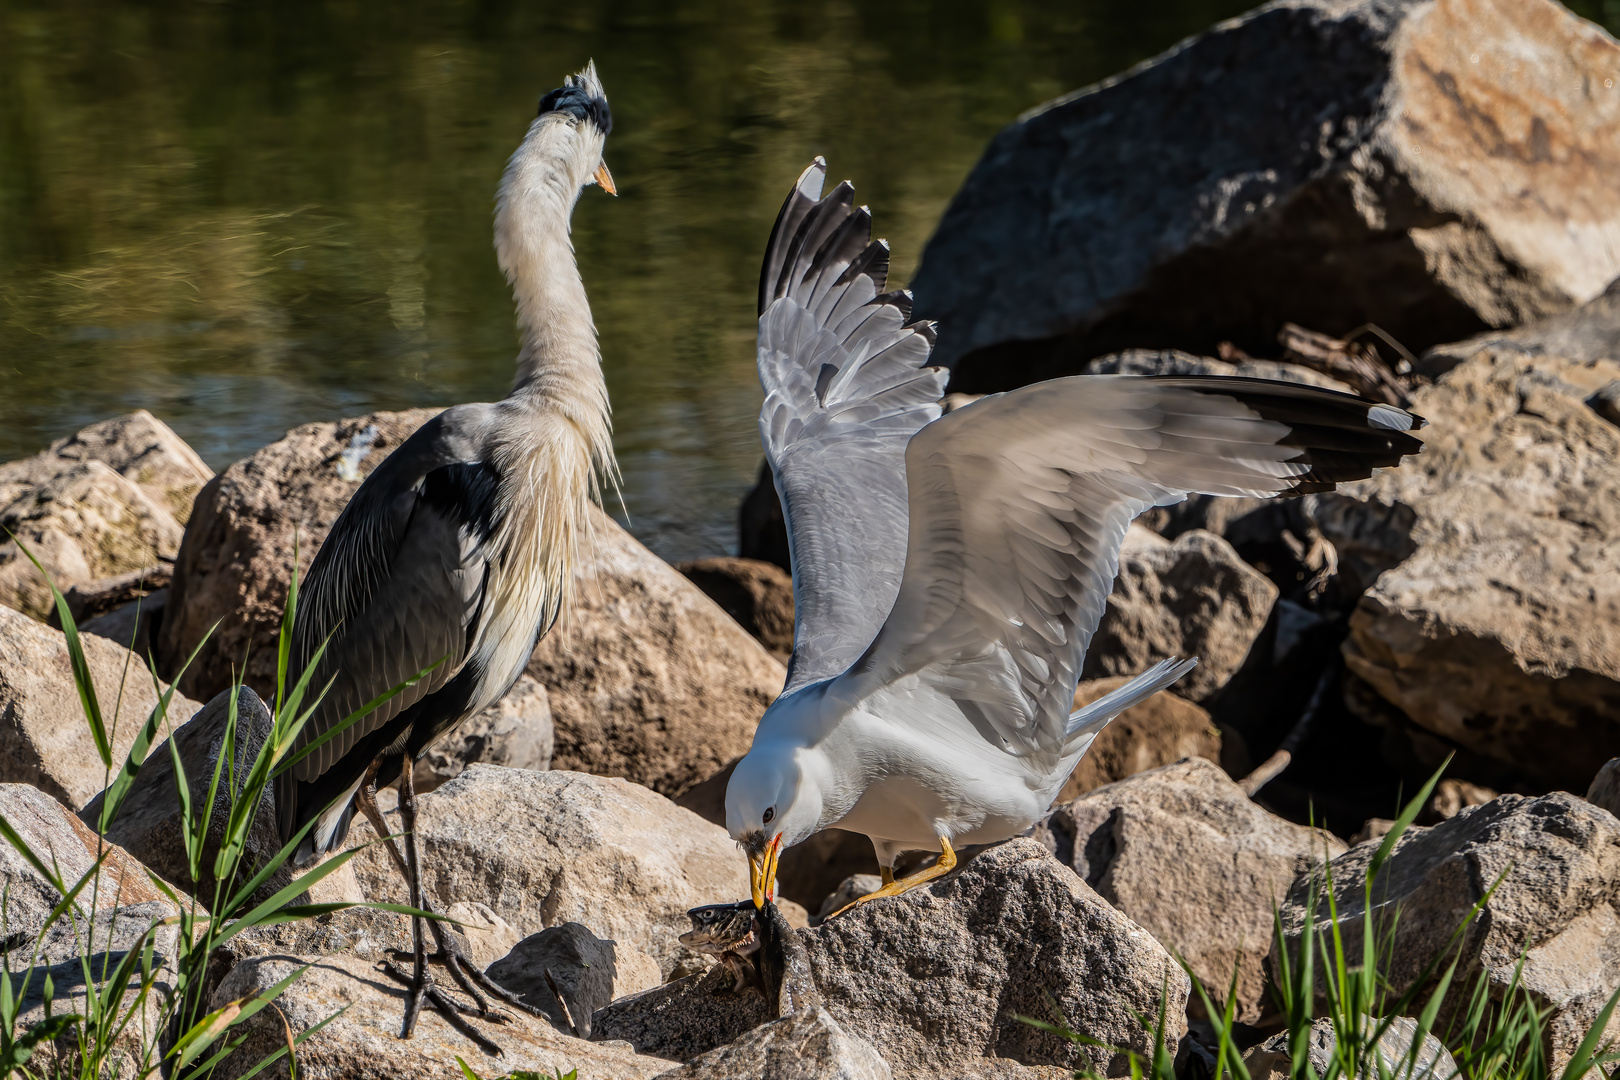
(559, 367)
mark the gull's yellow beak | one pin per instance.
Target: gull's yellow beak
(762, 872)
(605, 178)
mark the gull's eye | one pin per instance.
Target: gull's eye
(770, 813)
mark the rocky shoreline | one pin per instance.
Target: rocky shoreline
(1462, 608)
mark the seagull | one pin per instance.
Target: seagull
(950, 570)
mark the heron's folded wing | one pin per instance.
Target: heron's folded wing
(1019, 503)
(846, 386)
(398, 586)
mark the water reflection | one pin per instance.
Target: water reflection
(245, 216)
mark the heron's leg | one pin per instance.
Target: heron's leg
(946, 863)
(413, 881)
(466, 974)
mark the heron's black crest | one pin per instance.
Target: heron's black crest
(580, 105)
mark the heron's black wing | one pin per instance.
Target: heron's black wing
(397, 587)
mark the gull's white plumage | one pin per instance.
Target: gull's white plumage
(949, 572)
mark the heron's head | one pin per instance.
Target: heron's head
(577, 112)
(772, 803)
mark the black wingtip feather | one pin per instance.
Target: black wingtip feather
(1340, 436)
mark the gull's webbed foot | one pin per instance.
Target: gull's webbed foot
(891, 887)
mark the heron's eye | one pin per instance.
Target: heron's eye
(770, 812)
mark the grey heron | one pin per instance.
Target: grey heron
(457, 552)
(949, 571)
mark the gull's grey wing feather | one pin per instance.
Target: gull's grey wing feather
(1019, 503)
(846, 386)
(398, 584)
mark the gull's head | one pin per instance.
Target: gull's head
(577, 117)
(771, 804)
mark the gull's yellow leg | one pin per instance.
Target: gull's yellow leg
(946, 863)
(888, 875)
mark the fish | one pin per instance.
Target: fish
(730, 931)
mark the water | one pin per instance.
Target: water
(245, 216)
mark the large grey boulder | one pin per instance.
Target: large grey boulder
(1558, 861)
(807, 1045)
(150, 822)
(1194, 597)
(1186, 855)
(364, 1042)
(1325, 162)
(45, 739)
(545, 848)
(108, 500)
(936, 978)
(1494, 621)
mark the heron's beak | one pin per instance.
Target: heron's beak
(762, 872)
(605, 178)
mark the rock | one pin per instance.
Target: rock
(1161, 844)
(685, 1018)
(1162, 729)
(131, 625)
(849, 890)
(45, 739)
(649, 679)
(808, 1045)
(761, 528)
(61, 840)
(93, 599)
(235, 563)
(1559, 860)
(1605, 788)
(484, 936)
(145, 451)
(1452, 797)
(759, 595)
(1495, 623)
(579, 963)
(364, 1043)
(515, 732)
(150, 823)
(1590, 332)
(1322, 162)
(82, 522)
(935, 977)
(544, 848)
(1271, 1060)
(1194, 597)
(103, 940)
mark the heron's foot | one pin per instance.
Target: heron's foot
(422, 990)
(471, 979)
(946, 863)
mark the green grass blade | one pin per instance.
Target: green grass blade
(16, 841)
(81, 668)
(1404, 821)
(289, 619)
(118, 790)
(1582, 1060)
(353, 718)
(297, 1042)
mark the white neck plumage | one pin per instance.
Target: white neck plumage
(559, 366)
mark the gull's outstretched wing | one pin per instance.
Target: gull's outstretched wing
(846, 386)
(1019, 503)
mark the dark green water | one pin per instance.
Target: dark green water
(246, 216)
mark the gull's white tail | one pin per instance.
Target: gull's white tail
(1084, 724)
